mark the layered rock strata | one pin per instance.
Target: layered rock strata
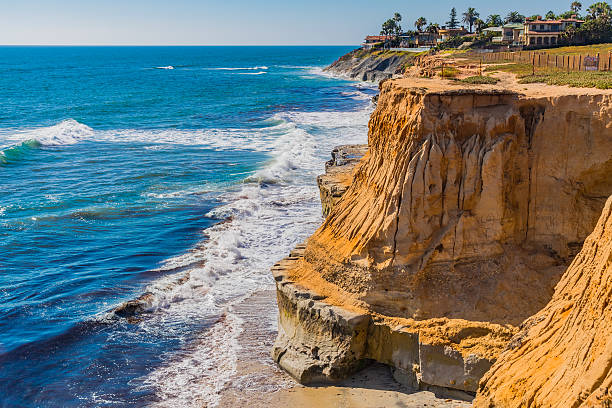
(370, 66)
(338, 174)
(562, 357)
(319, 341)
(457, 225)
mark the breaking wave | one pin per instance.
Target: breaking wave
(274, 209)
(66, 132)
(239, 69)
(252, 73)
(15, 153)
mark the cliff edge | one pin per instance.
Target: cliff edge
(458, 224)
(371, 65)
(562, 357)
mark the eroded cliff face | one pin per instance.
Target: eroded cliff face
(375, 65)
(562, 357)
(470, 204)
(458, 224)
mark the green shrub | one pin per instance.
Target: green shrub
(480, 80)
(448, 72)
(600, 80)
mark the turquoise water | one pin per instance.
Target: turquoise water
(177, 173)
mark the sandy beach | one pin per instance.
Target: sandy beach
(259, 382)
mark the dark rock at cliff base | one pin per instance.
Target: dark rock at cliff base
(374, 66)
(338, 174)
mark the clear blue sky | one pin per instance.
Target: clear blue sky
(227, 22)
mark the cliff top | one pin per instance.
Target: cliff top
(507, 84)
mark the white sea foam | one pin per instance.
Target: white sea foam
(357, 95)
(66, 132)
(252, 73)
(238, 69)
(195, 371)
(168, 67)
(275, 209)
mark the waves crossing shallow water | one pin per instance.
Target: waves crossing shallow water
(181, 223)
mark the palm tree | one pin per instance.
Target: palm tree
(420, 23)
(494, 20)
(470, 16)
(433, 28)
(550, 15)
(397, 17)
(514, 17)
(479, 24)
(599, 10)
(576, 7)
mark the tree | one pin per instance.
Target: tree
(576, 7)
(470, 16)
(433, 28)
(599, 10)
(494, 20)
(391, 27)
(566, 15)
(551, 15)
(514, 17)
(596, 30)
(479, 24)
(388, 27)
(453, 22)
(420, 23)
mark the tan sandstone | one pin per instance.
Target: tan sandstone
(562, 357)
(459, 222)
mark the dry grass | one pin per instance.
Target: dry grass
(585, 49)
(600, 80)
(518, 69)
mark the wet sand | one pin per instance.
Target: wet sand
(258, 382)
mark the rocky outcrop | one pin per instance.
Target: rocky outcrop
(562, 357)
(338, 174)
(459, 222)
(374, 65)
(319, 341)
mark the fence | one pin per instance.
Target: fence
(581, 62)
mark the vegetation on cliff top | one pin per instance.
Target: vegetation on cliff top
(592, 79)
(480, 80)
(549, 76)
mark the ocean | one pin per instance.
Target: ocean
(172, 177)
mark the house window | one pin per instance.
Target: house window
(542, 27)
(553, 40)
(546, 40)
(539, 42)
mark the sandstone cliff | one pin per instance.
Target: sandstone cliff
(459, 222)
(562, 357)
(375, 65)
(463, 192)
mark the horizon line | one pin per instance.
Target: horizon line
(179, 45)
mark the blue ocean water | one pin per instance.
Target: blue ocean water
(174, 176)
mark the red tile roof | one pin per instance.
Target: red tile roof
(568, 20)
(371, 38)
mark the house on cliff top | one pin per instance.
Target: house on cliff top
(540, 32)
